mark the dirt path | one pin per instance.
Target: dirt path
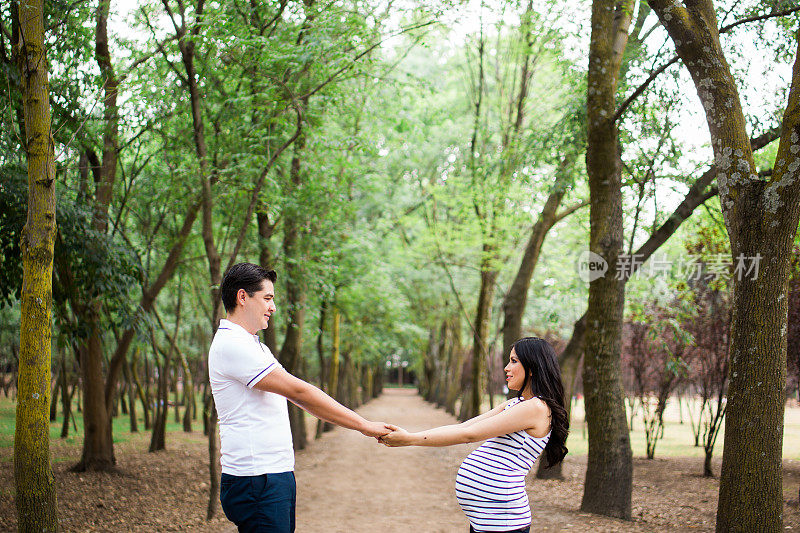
(348, 483)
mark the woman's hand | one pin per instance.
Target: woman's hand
(398, 437)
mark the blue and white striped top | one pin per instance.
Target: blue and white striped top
(490, 484)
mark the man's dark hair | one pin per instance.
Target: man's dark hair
(245, 276)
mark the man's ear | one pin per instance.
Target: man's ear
(240, 296)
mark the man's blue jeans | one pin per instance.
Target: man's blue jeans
(259, 504)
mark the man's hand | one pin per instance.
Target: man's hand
(398, 437)
(377, 429)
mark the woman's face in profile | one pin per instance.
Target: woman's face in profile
(515, 372)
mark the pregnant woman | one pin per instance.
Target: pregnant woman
(490, 484)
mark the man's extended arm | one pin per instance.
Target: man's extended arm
(319, 404)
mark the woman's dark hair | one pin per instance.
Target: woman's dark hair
(542, 371)
(245, 276)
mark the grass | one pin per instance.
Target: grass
(121, 424)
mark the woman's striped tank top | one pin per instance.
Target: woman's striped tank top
(490, 484)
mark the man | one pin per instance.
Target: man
(250, 389)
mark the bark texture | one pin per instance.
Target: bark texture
(609, 472)
(33, 477)
(98, 448)
(761, 217)
(517, 296)
(480, 334)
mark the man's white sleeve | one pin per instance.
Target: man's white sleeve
(251, 364)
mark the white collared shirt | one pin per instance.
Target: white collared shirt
(254, 430)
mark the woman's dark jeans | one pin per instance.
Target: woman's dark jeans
(525, 529)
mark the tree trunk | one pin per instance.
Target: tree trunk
(66, 397)
(100, 452)
(188, 51)
(113, 406)
(429, 366)
(323, 312)
(707, 471)
(176, 401)
(33, 478)
(517, 296)
(157, 438)
(265, 230)
(377, 383)
(454, 376)
(123, 404)
(632, 403)
(131, 396)
(333, 371)
(367, 382)
(443, 362)
(290, 353)
(761, 218)
(480, 336)
(143, 397)
(353, 384)
(98, 446)
(188, 399)
(54, 397)
(208, 400)
(343, 390)
(214, 468)
(326, 368)
(290, 356)
(609, 472)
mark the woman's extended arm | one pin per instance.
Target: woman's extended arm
(526, 415)
(484, 416)
(473, 420)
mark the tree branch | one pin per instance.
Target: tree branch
(569, 210)
(725, 29)
(145, 58)
(259, 185)
(639, 90)
(362, 54)
(729, 27)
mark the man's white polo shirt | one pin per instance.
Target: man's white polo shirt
(253, 425)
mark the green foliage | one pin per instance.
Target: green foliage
(13, 202)
(89, 265)
(396, 215)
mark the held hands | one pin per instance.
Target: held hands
(398, 437)
(377, 429)
(388, 434)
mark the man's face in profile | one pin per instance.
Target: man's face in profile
(259, 307)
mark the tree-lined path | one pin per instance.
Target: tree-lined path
(431, 180)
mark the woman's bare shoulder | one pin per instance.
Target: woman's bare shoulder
(536, 406)
(539, 412)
